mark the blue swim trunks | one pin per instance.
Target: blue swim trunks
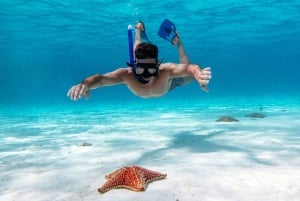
(176, 82)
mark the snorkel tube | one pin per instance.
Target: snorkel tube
(130, 45)
(131, 57)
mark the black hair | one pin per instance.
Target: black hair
(146, 51)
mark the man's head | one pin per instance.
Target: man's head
(146, 62)
(146, 51)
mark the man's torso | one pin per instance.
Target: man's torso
(157, 86)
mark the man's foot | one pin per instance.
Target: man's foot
(176, 41)
(141, 31)
(140, 26)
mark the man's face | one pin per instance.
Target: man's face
(146, 68)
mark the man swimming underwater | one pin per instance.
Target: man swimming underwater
(148, 77)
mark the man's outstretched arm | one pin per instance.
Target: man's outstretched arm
(202, 76)
(95, 81)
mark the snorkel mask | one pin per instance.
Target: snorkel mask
(146, 69)
(143, 70)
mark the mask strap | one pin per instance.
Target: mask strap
(160, 62)
(129, 64)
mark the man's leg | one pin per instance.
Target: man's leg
(139, 28)
(184, 59)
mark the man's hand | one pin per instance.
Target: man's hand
(79, 90)
(203, 77)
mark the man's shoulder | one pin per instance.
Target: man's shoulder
(166, 66)
(126, 71)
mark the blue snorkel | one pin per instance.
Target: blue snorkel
(130, 45)
(131, 57)
(131, 62)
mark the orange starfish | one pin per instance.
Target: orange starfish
(131, 177)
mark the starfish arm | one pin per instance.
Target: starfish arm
(150, 175)
(115, 173)
(115, 182)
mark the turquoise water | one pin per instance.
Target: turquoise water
(48, 46)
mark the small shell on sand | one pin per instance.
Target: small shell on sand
(255, 115)
(227, 119)
(85, 144)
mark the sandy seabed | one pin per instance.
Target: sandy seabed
(205, 160)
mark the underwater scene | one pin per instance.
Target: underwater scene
(239, 140)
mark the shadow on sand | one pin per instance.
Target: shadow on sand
(201, 144)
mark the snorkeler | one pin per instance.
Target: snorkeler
(147, 77)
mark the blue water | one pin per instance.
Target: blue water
(47, 46)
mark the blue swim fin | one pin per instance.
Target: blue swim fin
(167, 30)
